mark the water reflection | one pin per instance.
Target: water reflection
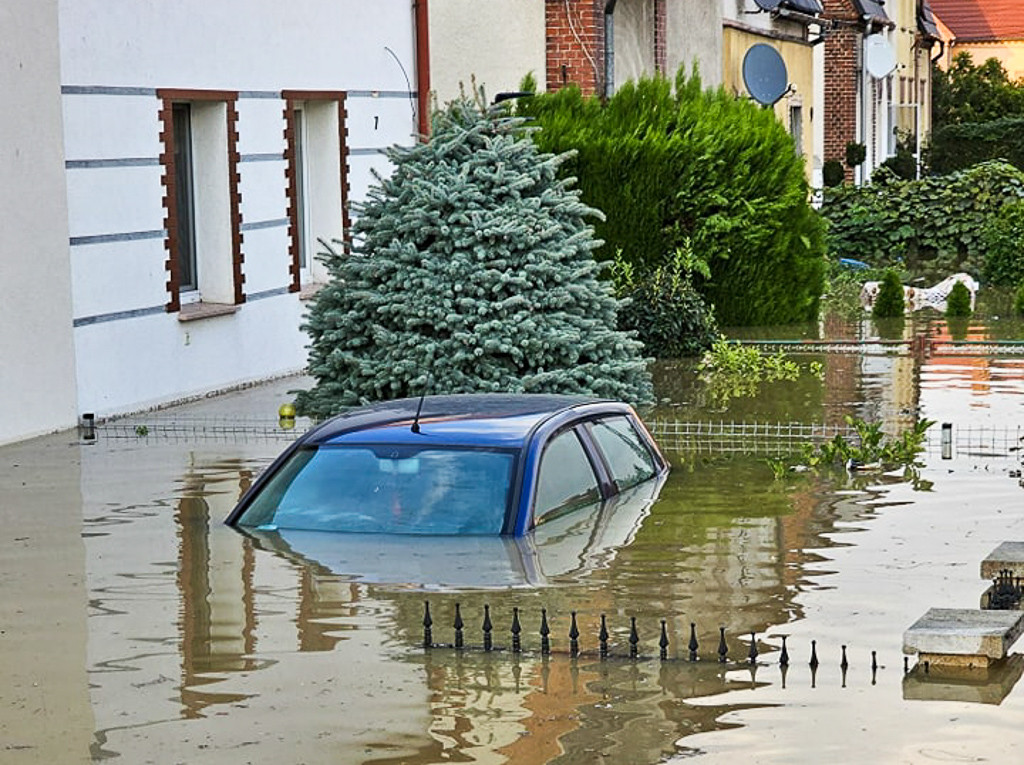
(193, 625)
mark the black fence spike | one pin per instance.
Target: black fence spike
(545, 642)
(487, 627)
(784, 658)
(516, 629)
(602, 636)
(723, 647)
(906, 664)
(844, 663)
(663, 641)
(874, 661)
(752, 655)
(574, 637)
(428, 638)
(784, 670)
(814, 654)
(814, 675)
(459, 624)
(634, 638)
(693, 641)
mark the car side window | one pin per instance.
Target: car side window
(628, 458)
(566, 479)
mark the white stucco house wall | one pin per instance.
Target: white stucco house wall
(205, 148)
(37, 372)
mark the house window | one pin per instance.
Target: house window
(203, 225)
(316, 155)
(184, 197)
(796, 127)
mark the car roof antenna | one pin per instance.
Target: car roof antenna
(419, 407)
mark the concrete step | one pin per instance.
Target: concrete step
(963, 637)
(1008, 555)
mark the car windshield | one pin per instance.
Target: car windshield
(387, 488)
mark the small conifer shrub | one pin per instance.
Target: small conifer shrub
(958, 303)
(889, 303)
(470, 270)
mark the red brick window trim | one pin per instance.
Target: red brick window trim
(170, 97)
(294, 100)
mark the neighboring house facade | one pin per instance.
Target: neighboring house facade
(206, 148)
(793, 28)
(877, 78)
(990, 29)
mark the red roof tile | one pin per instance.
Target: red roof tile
(982, 20)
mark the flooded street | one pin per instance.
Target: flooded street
(137, 628)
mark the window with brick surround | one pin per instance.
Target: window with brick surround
(200, 177)
(316, 153)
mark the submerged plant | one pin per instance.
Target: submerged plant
(870, 449)
(731, 370)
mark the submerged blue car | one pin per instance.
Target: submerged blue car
(472, 464)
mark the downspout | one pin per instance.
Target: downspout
(422, 67)
(609, 48)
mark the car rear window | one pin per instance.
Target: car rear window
(384, 488)
(628, 459)
(566, 479)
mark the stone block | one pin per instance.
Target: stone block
(1009, 555)
(963, 636)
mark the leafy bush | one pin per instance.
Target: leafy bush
(1004, 241)
(673, 165)
(471, 265)
(968, 93)
(958, 303)
(889, 303)
(955, 147)
(931, 227)
(662, 307)
(856, 153)
(730, 370)
(832, 173)
(872, 447)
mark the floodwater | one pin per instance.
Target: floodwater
(135, 627)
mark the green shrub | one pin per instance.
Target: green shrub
(1018, 300)
(1004, 241)
(889, 303)
(668, 165)
(931, 227)
(832, 173)
(958, 303)
(662, 307)
(955, 147)
(856, 153)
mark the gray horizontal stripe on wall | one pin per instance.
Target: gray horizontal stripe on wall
(105, 90)
(127, 236)
(365, 152)
(79, 164)
(268, 157)
(381, 93)
(258, 224)
(266, 294)
(135, 313)
(259, 94)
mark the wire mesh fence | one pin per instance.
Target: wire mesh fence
(757, 438)
(171, 427)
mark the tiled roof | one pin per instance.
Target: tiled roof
(982, 20)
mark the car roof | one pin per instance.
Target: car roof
(471, 419)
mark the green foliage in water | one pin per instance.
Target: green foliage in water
(958, 303)
(731, 370)
(870, 449)
(662, 307)
(1004, 241)
(471, 268)
(930, 227)
(674, 164)
(889, 303)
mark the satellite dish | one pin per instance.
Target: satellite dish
(768, 5)
(879, 56)
(764, 74)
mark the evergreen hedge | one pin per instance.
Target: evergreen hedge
(958, 303)
(471, 270)
(1004, 244)
(955, 147)
(686, 164)
(889, 303)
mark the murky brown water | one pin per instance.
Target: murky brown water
(137, 628)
